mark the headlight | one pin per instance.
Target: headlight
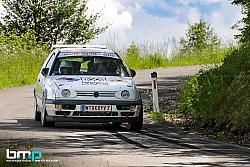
(125, 94)
(65, 93)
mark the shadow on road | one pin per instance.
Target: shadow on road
(74, 139)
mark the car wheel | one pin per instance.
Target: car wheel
(37, 115)
(137, 126)
(44, 122)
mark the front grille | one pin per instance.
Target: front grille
(69, 107)
(122, 107)
(129, 113)
(101, 94)
(61, 112)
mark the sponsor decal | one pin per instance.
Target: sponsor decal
(80, 54)
(68, 79)
(89, 54)
(94, 81)
(72, 54)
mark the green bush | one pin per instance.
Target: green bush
(218, 97)
(158, 116)
(21, 59)
(10, 41)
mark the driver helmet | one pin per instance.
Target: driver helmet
(65, 66)
(102, 61)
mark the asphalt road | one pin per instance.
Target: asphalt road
(75, 144)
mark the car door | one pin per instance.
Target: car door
(42, 79)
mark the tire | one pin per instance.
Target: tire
(44, 122)
(137, 126)
(37, 114)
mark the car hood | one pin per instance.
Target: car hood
(103, 83)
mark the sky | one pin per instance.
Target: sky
(161, 20)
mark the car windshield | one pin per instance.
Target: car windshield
(89, 65)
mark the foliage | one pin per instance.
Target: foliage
(218, 98)
(158, 60)
(52, 20)
(20, 67)
(158, 116)
(135, 58)
(10, 41)
(21, 58)
(133, 51)
(199, 37)
(243, 25)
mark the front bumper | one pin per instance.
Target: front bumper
(74, 113)
(92, 120)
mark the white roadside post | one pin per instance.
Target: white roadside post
(155, 92)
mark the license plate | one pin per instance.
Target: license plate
(96, 108)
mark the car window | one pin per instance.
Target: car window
(89, 65)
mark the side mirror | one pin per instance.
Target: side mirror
(133, 73)
(45, 71)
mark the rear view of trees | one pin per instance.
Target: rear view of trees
(52, 20)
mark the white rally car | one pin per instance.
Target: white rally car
(86, 84)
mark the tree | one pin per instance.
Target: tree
(52, 20)
(243, 25)
(199, 36)
(133, 51)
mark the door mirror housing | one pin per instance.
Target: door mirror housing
(132, 73)
(45, 71)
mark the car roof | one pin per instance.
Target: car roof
(85, 50)
(99, 50)
(82, 48)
